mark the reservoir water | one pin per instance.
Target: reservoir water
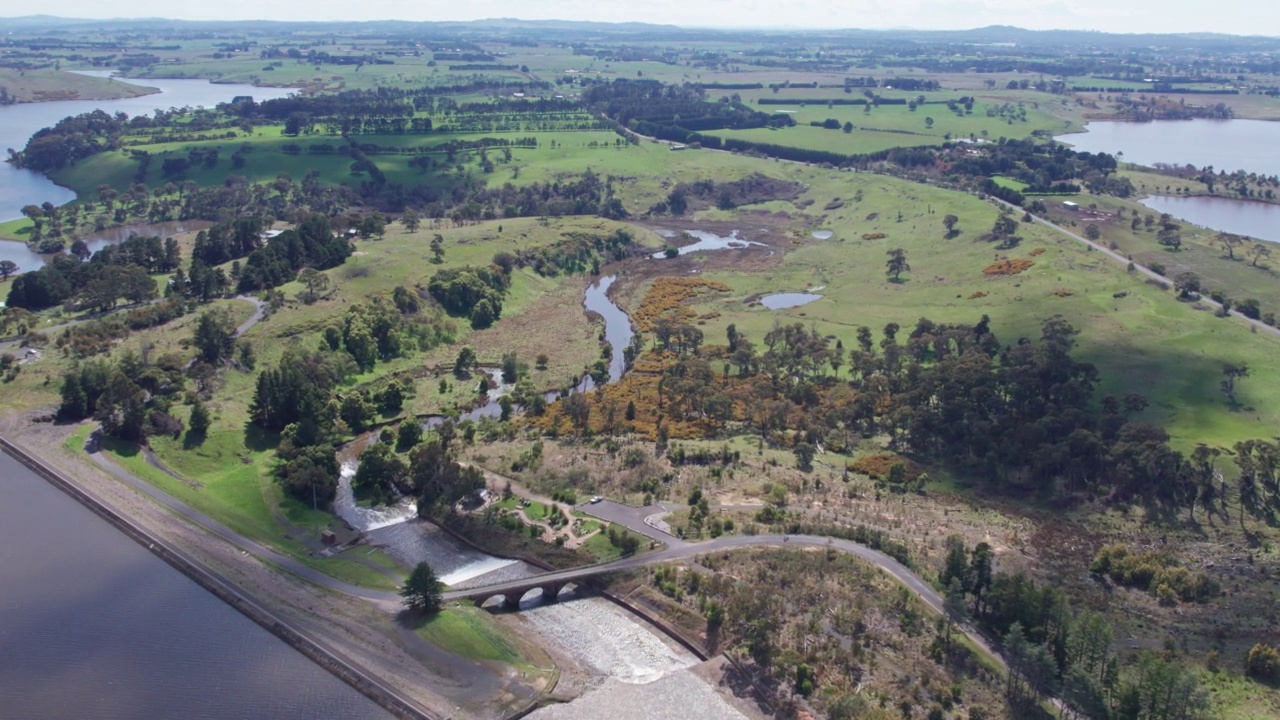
(1230, 145)
(1257, 220)
(27, 259)
(19, 187)
(93, 625)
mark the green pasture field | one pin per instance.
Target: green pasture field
(1198, 253)
(1144, 342)
(1008, 182)
(889, 126)
(196, 60)
(267, 158)
(470, 633)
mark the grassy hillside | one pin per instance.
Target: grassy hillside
(48, 84)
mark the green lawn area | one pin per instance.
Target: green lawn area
(239, 496)
(19, 229)
(1008, 182)
(466, 631)
(534, 510)
(601, 548)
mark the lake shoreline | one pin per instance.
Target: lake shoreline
(1231, 215)
(1229, 145)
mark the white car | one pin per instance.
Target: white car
(596, 499)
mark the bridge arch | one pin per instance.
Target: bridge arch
(510, 600)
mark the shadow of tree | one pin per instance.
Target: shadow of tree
(260, 440)
(193, 439)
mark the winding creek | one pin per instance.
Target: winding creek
(605, 640)
(409, 540)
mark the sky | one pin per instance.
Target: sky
(1242, 17)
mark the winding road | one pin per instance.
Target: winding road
(392, 602)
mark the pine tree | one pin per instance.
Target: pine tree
(421, 591)
(200, 421)
(75, 406)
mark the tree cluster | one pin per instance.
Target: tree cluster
(311, 244)
(112, 273)
(472, 292)
(130, 399)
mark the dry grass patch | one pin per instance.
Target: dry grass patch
(879, 466)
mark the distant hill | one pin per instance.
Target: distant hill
(993, 34)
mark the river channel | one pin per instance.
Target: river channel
(409, 540)
(637, 673)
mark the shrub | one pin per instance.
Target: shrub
(668, 295)
(1008, 266)
(1263, 663)
(881, 466)
(1156, 573)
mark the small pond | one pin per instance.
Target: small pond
(710, 241)
(823, 234)
(781, 301)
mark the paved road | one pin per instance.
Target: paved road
(633, 518)
(259, 312)
(391, 601)
(735, 542)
